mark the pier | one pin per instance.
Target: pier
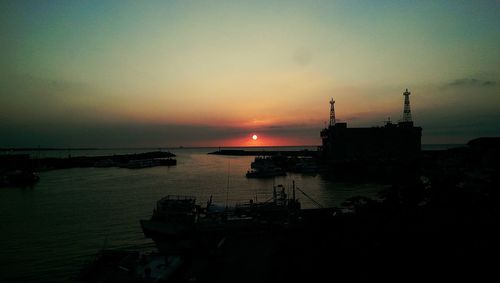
(240, 152)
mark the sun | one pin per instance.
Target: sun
(255, 137)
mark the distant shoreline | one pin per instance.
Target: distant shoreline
(45, 148)
(5, 149)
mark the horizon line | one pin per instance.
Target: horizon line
(168, 147)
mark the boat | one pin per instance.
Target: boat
(17, 170)
(267, 167)
(264, 167)
(265, 173)
(130, 266)
(262, 162)
(179, 226)
(173, 223)
(18, 178)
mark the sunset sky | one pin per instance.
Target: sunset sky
(213, 73)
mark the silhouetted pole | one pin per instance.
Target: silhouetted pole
(332, 112)
(407, 110)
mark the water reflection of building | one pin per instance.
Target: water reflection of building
(391, 141)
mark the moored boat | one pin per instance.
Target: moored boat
(265, 172)
(180, 226)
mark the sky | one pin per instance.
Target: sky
(214, 73)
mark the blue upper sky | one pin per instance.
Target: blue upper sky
(150, 73)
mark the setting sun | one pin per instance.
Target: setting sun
(255, 137)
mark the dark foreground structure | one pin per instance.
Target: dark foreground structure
(390, 142)
(438, 221)
(371, 153)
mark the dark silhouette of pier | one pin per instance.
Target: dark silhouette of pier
(241, 152)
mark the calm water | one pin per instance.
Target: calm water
(50, 230)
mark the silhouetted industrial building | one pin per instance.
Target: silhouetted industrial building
(392, 141)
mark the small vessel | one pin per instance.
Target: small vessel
(266, 167)
(17, 170)
(130, 266)
(179, 226)
(262, 162)
(18, 178)
(173, 223)
(265, 173)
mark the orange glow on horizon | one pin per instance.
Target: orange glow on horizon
(262, 140)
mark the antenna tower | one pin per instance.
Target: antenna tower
(332, 112)
(407, 110)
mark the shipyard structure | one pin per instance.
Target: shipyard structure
(389, 142)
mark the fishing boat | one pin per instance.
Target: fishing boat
(180, 226)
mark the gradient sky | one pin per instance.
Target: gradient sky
(212, 73)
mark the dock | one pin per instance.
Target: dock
(138, 160)
(240, 152)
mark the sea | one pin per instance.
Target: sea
(49, 231)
